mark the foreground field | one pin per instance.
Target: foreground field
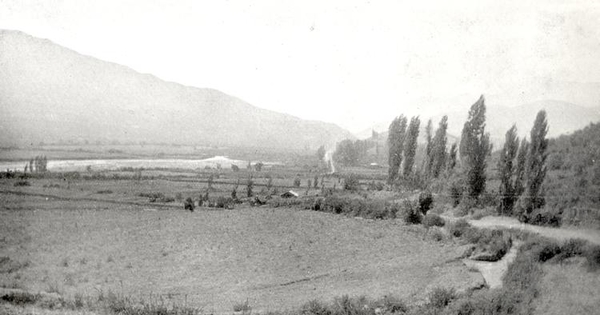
(274, 258)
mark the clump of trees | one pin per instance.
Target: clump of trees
(348, 152)
(39, 164)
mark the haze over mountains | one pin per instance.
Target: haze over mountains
(50, 93)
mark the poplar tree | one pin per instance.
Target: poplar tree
(410, 145)
(396, 135)
(506, 170)
(535, 167)
(520, 168)
(452, 157)
(428, 160)
(438, 149)
(474, 149)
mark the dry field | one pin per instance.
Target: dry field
(274, 258)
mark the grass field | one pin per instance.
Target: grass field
(274, 258)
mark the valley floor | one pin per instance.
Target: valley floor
(274, 258)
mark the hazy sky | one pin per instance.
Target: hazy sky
(348, 62)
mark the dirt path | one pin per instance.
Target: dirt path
(561, 234)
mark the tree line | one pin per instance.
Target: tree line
(521, 167)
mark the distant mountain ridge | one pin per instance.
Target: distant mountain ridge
(48, 92)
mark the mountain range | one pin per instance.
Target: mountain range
(50, 93)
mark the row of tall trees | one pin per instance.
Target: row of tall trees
(402, 143)
(521, 167)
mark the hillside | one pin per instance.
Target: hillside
(50, 93)
(573, 180)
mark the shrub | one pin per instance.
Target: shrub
(345, 305)
(425, 201)
(571, 248)
(224, 203)
(496, 243)
(592, 254)
(392, 305)
(178, 196)
(432, 219)
(189, 204)
(351, 183)
(297, 182)
(437, 234)
(315, 307)
(541, 249)
(441, 297)
(544, 217)
(459, 227)
(410, 214)
(22, 183)
(242, 307)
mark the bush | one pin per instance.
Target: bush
(441, 297)
(242, 307)
(437, 234)
(224, 203)
(297, 182)
(392, 305)
(541, 249)
(571, 248)
(592, 254)
(351, 183)
(22, 183)
(544, 217)
(315, 307)
(459, 227)
(189, 204)
(432, 219)
(410, 213)
(425, 202)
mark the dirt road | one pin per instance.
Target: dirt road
(560, 234)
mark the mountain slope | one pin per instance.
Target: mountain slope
(48, 92)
